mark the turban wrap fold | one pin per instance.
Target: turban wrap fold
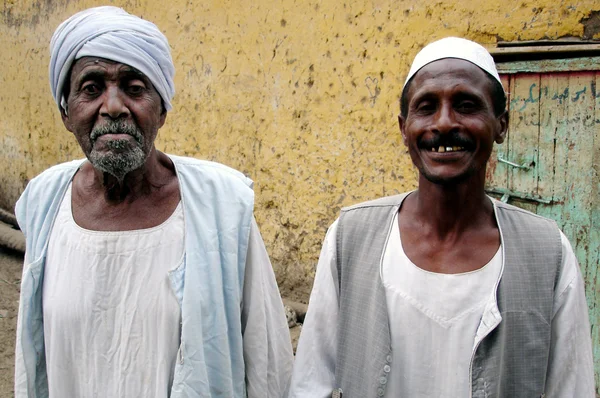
(111, 33)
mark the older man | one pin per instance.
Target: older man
(444, 292)
(145, 273)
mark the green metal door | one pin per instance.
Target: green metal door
(550, 162)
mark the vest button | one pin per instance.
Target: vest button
(389, 359)
(382, 380)
(337, 393)
(386, 368)
(380, 392)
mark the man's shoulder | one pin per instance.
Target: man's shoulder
(56, 174)
(209, 168)
(386, 201)
(529, 232)
(521, 215)
(59, 169)
(368, 216)
(43, 190)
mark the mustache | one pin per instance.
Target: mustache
(453, 139)
(117, 127)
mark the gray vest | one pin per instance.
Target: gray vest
(512, 359)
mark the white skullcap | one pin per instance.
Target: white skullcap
(454, 47)
(111, 33)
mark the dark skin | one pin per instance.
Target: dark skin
(448, 224)
(99, 91)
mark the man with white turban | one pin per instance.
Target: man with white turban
(145, 273)
(443, 291)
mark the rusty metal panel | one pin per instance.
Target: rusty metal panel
(523, 146)
(579, 154)
(593, 261)
(554, 129)
(552, 133)
(551, 65)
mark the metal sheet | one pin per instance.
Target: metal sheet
(551, 65)
(555, 129)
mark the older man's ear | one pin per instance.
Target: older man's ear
(65, 119)
(163, 115)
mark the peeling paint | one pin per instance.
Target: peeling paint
(591, 25)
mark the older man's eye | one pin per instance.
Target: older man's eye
(135, 89)
(90, 88)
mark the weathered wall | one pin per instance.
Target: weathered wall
(300, 95)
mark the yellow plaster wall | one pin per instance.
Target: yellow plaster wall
(300, 95)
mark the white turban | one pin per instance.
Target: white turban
(111, 33)
(454, 47)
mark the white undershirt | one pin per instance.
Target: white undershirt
(433, 321)
(111, 319)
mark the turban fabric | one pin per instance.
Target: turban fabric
(111, 33)
(454, 47)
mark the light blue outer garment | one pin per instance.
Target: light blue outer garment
(218, 204)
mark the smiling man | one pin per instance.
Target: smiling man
(443, 291)
(145, 273)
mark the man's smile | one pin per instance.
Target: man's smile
(442, 148)
(444, 143)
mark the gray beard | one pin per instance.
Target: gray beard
(125, 158)
(118, 164)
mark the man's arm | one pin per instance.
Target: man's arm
(21, 382)
(314, 370)
(571, 366)
(267, 345)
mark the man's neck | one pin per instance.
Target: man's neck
(452, 208)
(143, 199)
(449, 229)
(140, 182)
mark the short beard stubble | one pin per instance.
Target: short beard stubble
(123, 157)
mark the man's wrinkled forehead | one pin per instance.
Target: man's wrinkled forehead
(450, 73)
(94, 67)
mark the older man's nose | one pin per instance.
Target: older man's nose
(114, 105)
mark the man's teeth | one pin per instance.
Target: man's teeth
(448, 149)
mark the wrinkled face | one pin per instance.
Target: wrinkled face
(450, 126)
(114, 112)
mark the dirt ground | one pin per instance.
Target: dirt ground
(11, 264)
